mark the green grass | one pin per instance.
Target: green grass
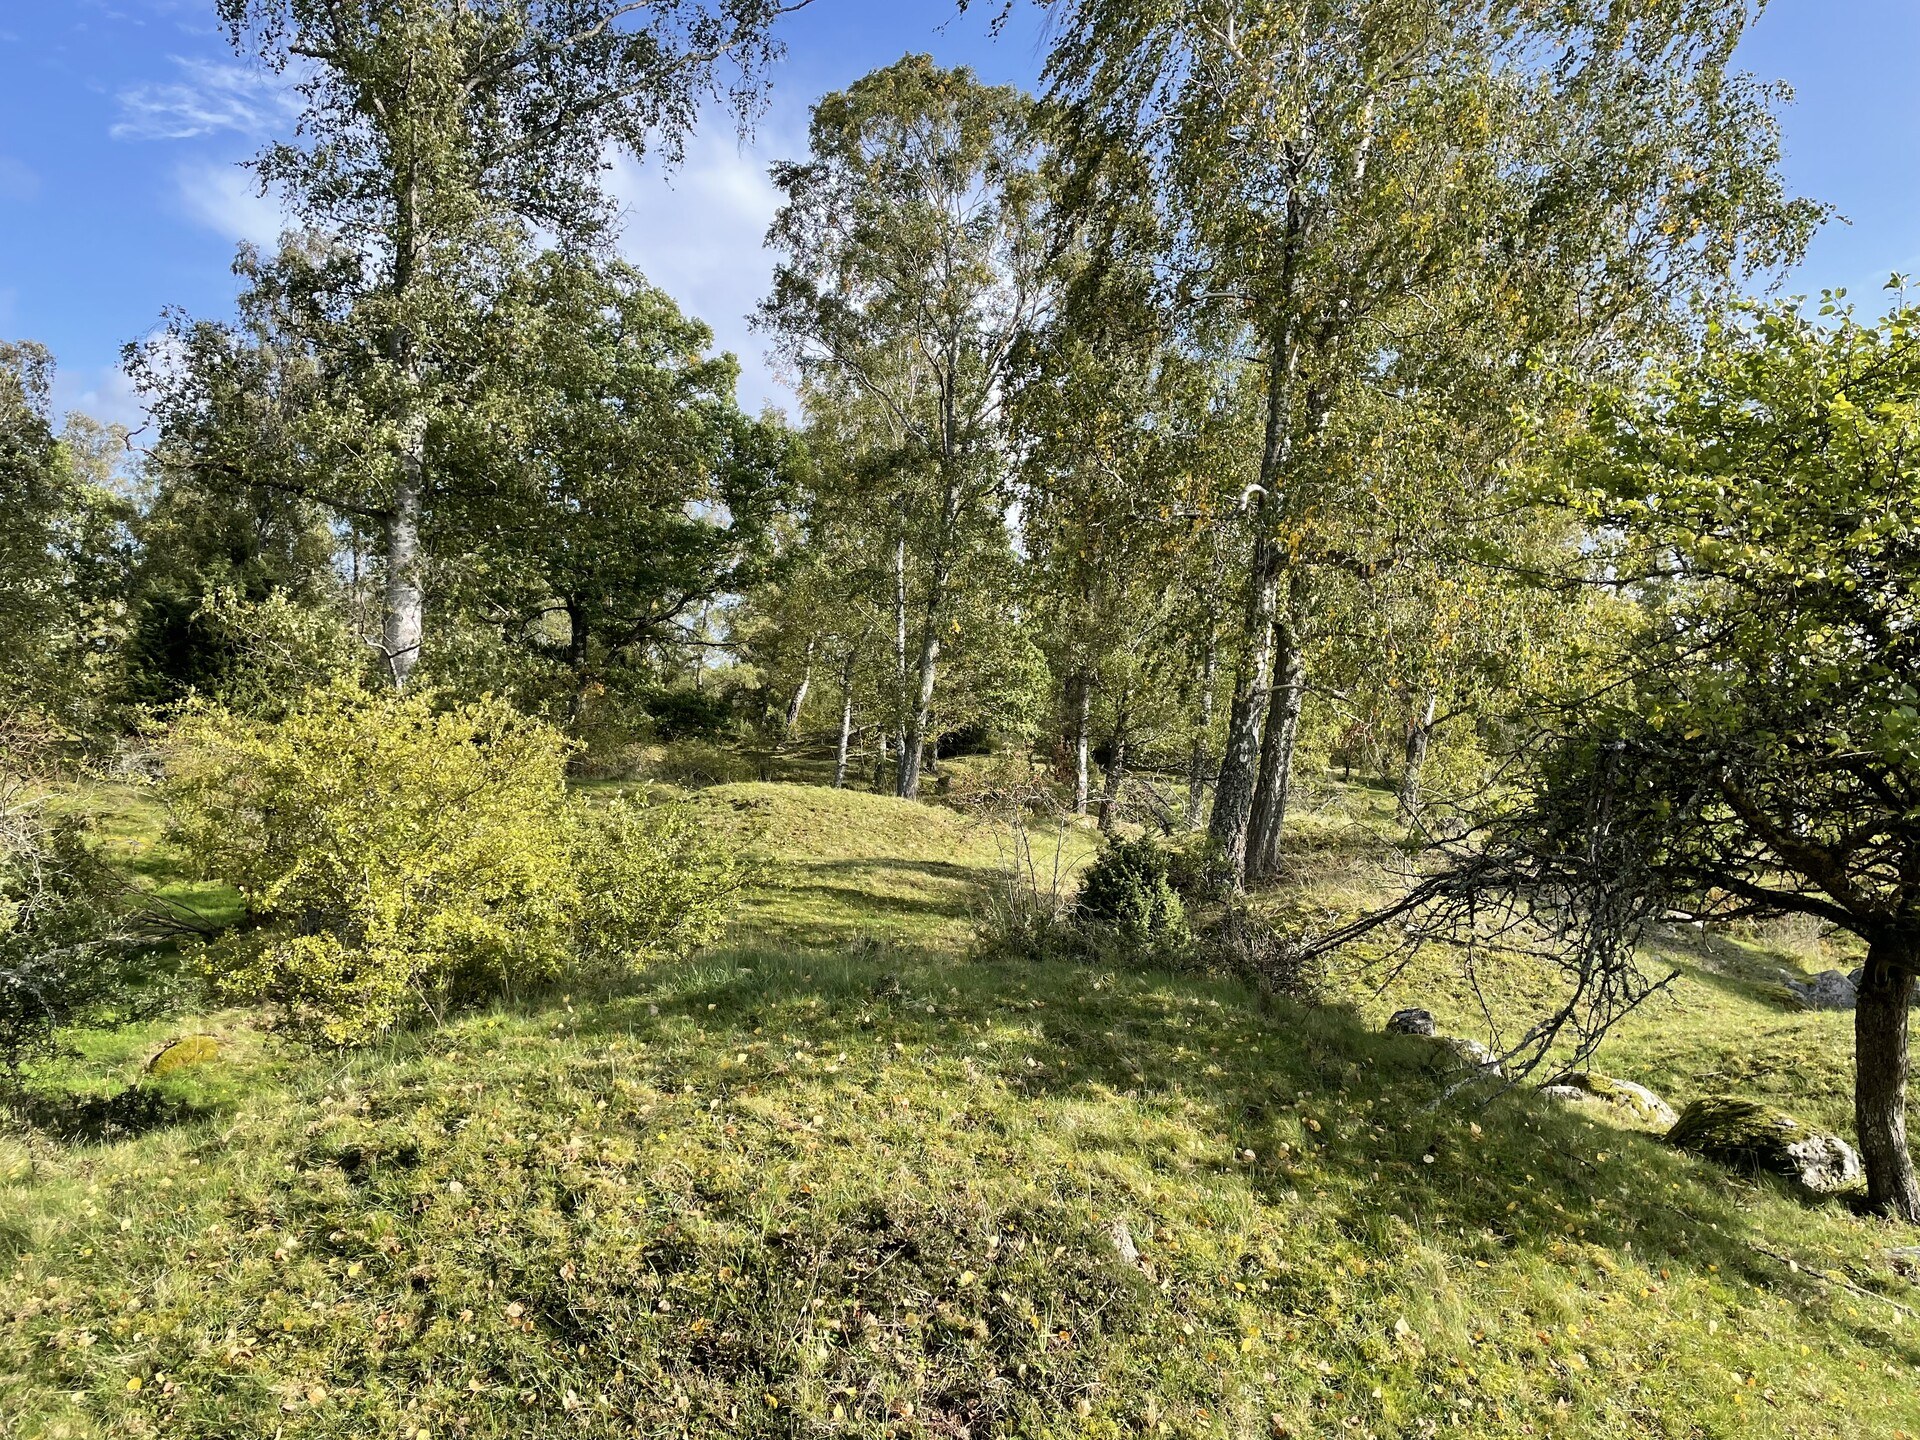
(839, 1178)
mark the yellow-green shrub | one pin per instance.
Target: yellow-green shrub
(397, 859)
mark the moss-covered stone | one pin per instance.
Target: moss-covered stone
(1637, 1100)
(1746, 1135)
(192, 1050)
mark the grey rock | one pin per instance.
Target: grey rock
(1744, 1135)
(1637, 1100)
(1410, 1022)
(1472, 1052)
(1829, 990)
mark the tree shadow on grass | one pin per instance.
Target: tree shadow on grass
(78, 1119)
(1376, 1125)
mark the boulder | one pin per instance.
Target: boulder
(1745, 1135)
(1859, 973)
(1636, 1100)
(1829, 990)
(1410, 1022)
(1471, 1052)
(190, 1050)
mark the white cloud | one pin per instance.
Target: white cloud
(227, 200)
(698, 232)
(105, 393)
(212, 97)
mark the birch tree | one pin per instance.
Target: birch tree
(439, 142)
(912, 264)
(1339, 178)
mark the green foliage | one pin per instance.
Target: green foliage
(67, 956)
(396, 859)
(682, 713)
(1129, 890)
(654, 881)
(276, 649)
(64, 555)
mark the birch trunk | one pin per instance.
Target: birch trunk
(1419, 741)
(403, 599)
(1081, 708)
(799, 699)
(1282, 732)
(846, 724)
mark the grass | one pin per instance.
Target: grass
(841, 1178)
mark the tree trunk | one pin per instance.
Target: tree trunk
(927, 669)
(1419, 741)
(846, 725)
(899, 645)
(1252, 694)
(799, 699)
(1282, 730)
(880, 761)
(1080, 707)
(403, 603)
(1197, 761)
(1880, 1078)
(1116, 772)
(1233, 795)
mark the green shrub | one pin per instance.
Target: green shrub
(68, 956)
(655, 881)
(398, 860)
(680, 714)
(1129, 890)
(695, 764)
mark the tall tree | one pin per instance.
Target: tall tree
(64, 553)
(1341, 177)
(631, 489)
(439, 141)
(913, 262)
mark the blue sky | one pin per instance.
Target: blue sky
(122, 123)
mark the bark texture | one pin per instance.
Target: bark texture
(1281, 733)
(1880, 1079)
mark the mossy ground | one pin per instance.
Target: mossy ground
(838, 1178)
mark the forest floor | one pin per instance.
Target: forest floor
(842, 1176)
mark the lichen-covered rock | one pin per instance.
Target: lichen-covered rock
(192, 1050)
(1829, 990)
(1637, 1100)
(1471, 1052)
(1410, 1022)
(1745, 1135)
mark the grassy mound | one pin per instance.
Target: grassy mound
(877, 1190)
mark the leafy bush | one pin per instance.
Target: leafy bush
(689, 714)
(67, 954)
(654, 881)
(398, 860)
(693, 764)
(275, 648)
(1129, 890)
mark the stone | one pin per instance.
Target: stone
(1859, 973)
(1746, 1135)
(190, 1050)
(1829, 990)
(1637, 1100)
(1472, 1052)
(1410, 1022)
